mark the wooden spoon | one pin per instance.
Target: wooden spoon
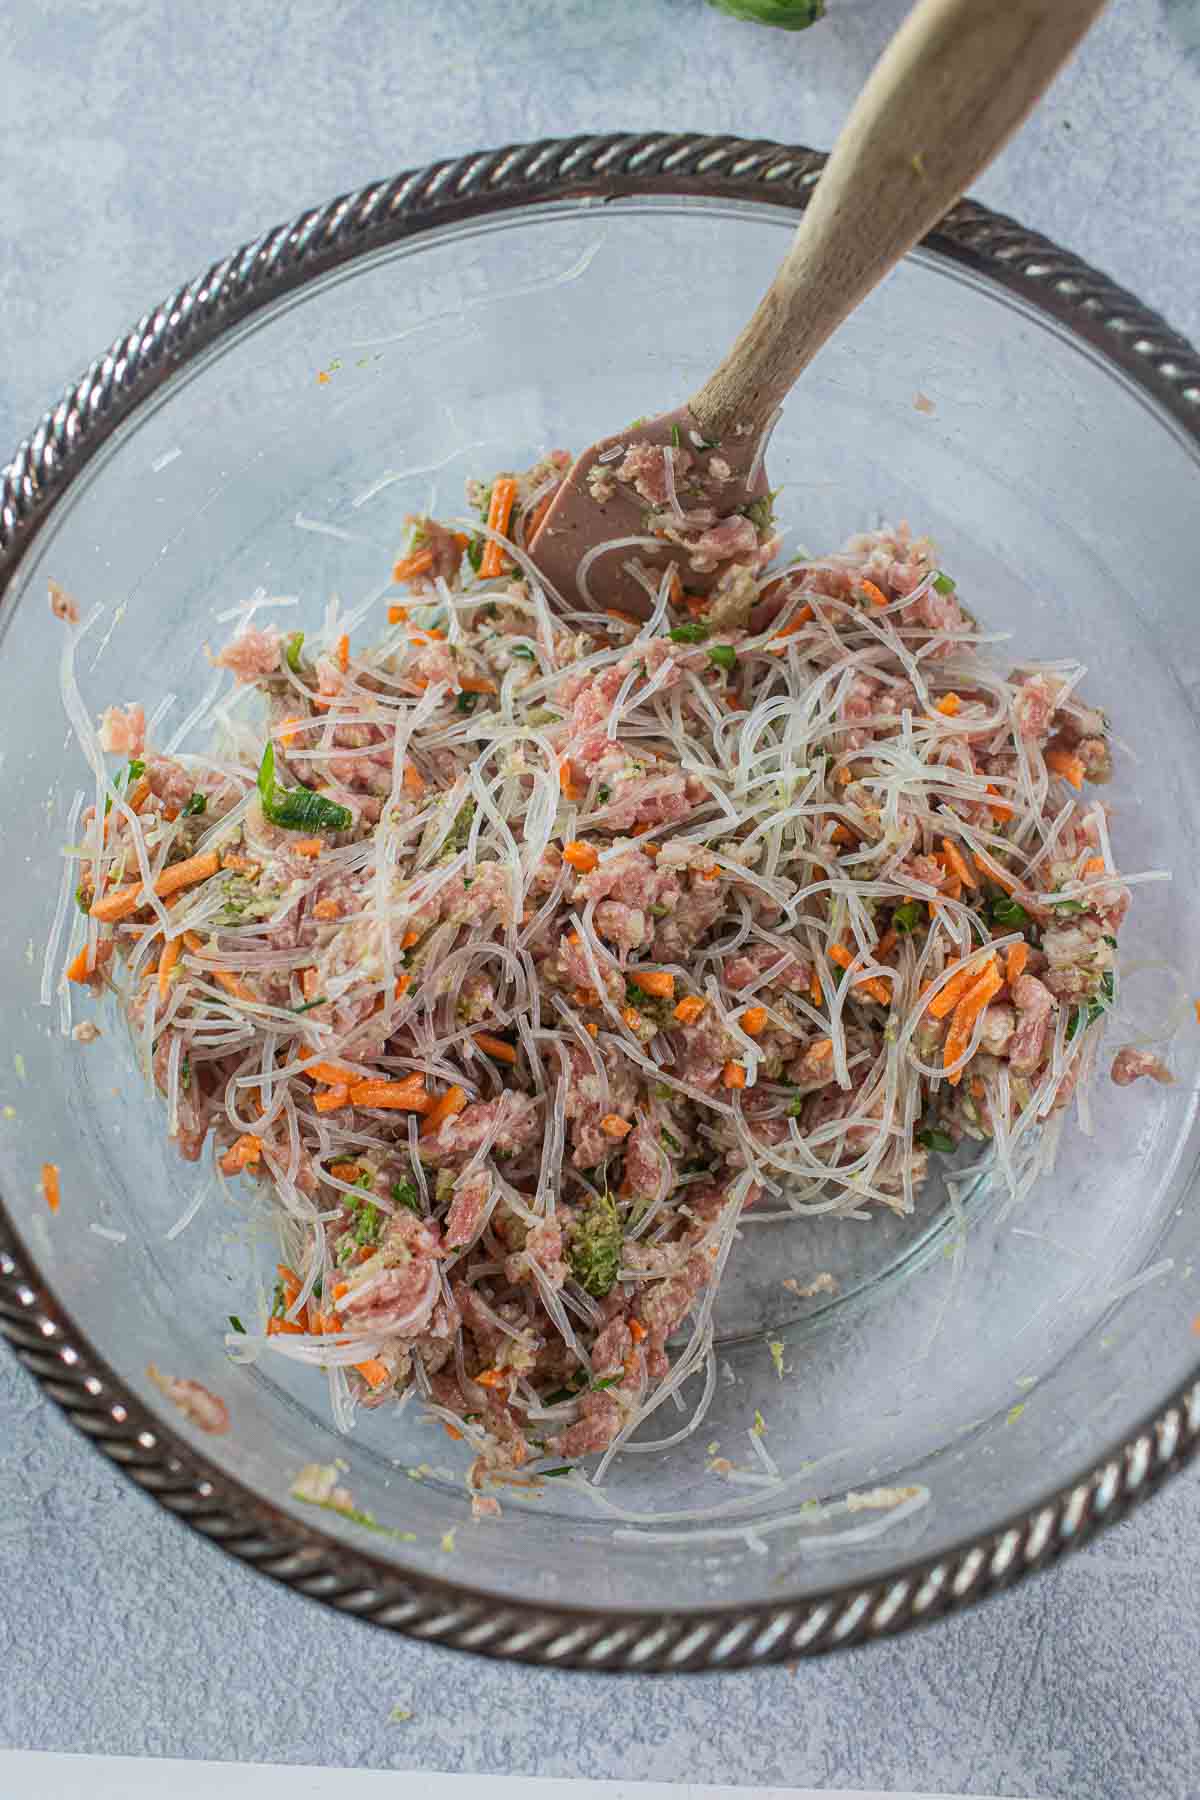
(951, 87)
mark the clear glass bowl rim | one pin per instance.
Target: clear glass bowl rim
(1079, 300)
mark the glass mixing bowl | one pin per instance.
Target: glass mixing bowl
(1023, 1373)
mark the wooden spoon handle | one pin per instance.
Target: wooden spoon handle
(951, 87)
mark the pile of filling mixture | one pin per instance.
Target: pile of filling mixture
(518, 950)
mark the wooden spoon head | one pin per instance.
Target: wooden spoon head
(619, 488)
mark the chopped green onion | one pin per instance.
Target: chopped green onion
(309, 1004)
(1008, 912)
(523, 650)
(298, 808)
(196, 804)
(724, 655)
(466, 703)
(907, 917)
(943, 583)
(295, 645)
(693, 633)
(237, 1324)
(405, 1194)
(675, 437)
(936, 1140)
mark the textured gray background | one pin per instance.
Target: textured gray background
(140, 139)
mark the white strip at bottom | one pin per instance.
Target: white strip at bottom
(52, 1777)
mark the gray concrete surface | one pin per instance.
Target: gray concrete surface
(139, 139)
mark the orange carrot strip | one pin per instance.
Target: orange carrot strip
(327, 909)
(658, 982)
(839, 954)
(495, 1046)
(1000, 808)
(754, 1021)
(343, 653)
(450, 1104)
(332, 1099)
(949, 705)
(392, 1096)
(247, 1149)
(821, 1049)
(1018, 956)
(125, 900)
(171, 952)
(77, 968)
(614, 1127)
(567, 782)
(958, 864)
(493, 1378)
(476, 684)
(414, 781)
(815, 989)
(344, 1171)
(966, 1012)
(409, 939)
(949, 996)
(534, 522)
(374, 1372)
(402, 983)
(500, 506)
(689, 1009)
(1061, 762)
(240, 865)
(594, 1030)
(1094, 865)
(50, 1188)
(886, 944)
(631, 1016)
(580, 856)
(309, 846)
(397, 614)
(842, 834)
(733, 1075)
(876, 595)
(408, 568)
(284, 1328)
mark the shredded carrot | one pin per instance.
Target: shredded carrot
(291, 1282)
(949, 705)
(125, 900)
(169, 956)
(500, 506)
(966, 1012)
(959, 984)
(844, 777)
(340, 1289)
(414, 781)
(493, 1378)
(875, 595)
(50, 1187)
(733, 1075)
(1198, 1012)
(284, 1328)
(580, 856)
(754, 1021)
(451, 1103)
(236, 988)
(375, 1373)
(650, 850)
(397, 615)
(622, 618)
(614, 1127)
(1000, 809)
(815, 989)
(842, 834)
(537, 517)
(566, 781)
(1094, 865)
(393, 1096)
(401, 988)
(839, 954)
(450, 1430)
(287, 731)
(343, 653)
(327, 909)
(637, 1331)
(710, 874)
(495, 1046)
(593, 1030)
(631, 1016)
(247, 1149)
(239, 865)
(886, 944)
(408, 568)
(821, 1049)
(409, 939)
(585, 996)
(690, 1008)
(779, 642)
(1018, 956)
(658, 982)
(309, 847)
(77, 968)
(476, 684)
(332, 1099)
(1062, 762)
(958, 864)
(332, 1074)
(344, 1171)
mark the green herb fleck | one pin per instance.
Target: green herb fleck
(907, 917)
(943, 584)
(1014, 1413)
(125, 781)
(775, 1346)
(1004, 911)
(1069, 906)
(83, 899)
(298, 808)
(761, 513)
(795, 1106)
(466, 703)
(1096, 1007)
(460, 831)
(295, 645)
(523, 650)
(237, 1324)
(405, 1194)
(672, 1143)
(594, 1245)
(607, 1381)
(936, 1140)
(676, 439)
(196, 804)
(309, 1004)
(602, 795)
(723, 655)
(692, 633)
(549, 1474)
